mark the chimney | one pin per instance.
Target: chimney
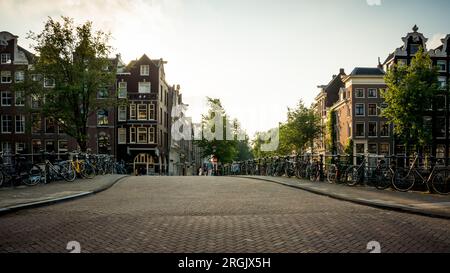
(380, 66)
(342, 71)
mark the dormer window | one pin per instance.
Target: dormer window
(49, 82)
(145, 70)
(414, 48)
(442, 66)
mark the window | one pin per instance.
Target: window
(151, 135)
(359, 109)
(133, 135)
(360, 130)
(36, 124)
(50, 126)
(20, 76)
(122, 139)
(401, 62)
(151, 111)
(20, 147)
(372, 109)
(122, 113)
(104, 145)
(35, 102)
(35, 77)
(6, 147)
(442, 82)
(372, 148)
(414, 48)
(20, 98)
(102, 118)
(49, 82)
(6, 98)
(440, 127)
(142, 111)
(6, 124)
(384, 148)
(359, 93)
(144, 87)
(384, 129)
(5, 58)
(103, 93)
(145, 70)
(442, 66)
(62, 146)
(37, 146)
(372, 93)
(133, 111)
(122, 90)
(359, 148)
(160, 116)
(427, 122)
(20, 124)
(440, 103)
(6, 77)
(142, 135)
(49, 146)
(372, 128)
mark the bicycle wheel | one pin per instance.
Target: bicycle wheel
(352, 176)
(33, 176)
(403, 180)
(87, 171)
(68, 173)
(312, 174)
(331, 174)
(383, 179)
(441, 182)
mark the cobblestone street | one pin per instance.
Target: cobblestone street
(216, 214)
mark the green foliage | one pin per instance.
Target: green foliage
(331, 132)
(226, 150)
(75, 58)
(410, 92)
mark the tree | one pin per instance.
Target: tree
(71, 66)
(303, 126)
(225, 149)
(331, 132)
(409, 94)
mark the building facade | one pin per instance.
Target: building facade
(437, 117)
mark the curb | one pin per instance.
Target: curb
(393, 207)
(48, 202)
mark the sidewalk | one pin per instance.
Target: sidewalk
(412, 202)
(22, 197)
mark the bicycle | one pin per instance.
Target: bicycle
(434, 179)
(336, 170)
(60, 170)
(313, 171)
(21, 171)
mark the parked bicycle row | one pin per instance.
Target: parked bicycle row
(17, 169)
(398, 172)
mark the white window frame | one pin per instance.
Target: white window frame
(59, 146)
(368, 110)
(20, 119)
(147, 90)
(122, 109)
(22, 78)
(124, 88)
(21, 96)
(139, 108)
(133, 108)
(10, 120)
(49, 86)
(356, 130)
(133, 131)
(151, 135)
(151, 109)
(3, 73)
(103, 119)
(388, 130)
(7, 96)
(139, 131)
(17, 147)
(145, 70)
(122, 135)
(372, 89)
(6, 146)
(364, 110)
(443, 83)
(368, 129)
(439, 63)
(6, 60)
(388, 145)
(368, 148)
(363, 93)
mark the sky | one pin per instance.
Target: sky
(258, 56)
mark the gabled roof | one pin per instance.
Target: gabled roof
(367, 71)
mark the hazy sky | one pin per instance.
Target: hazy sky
(257, 56)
